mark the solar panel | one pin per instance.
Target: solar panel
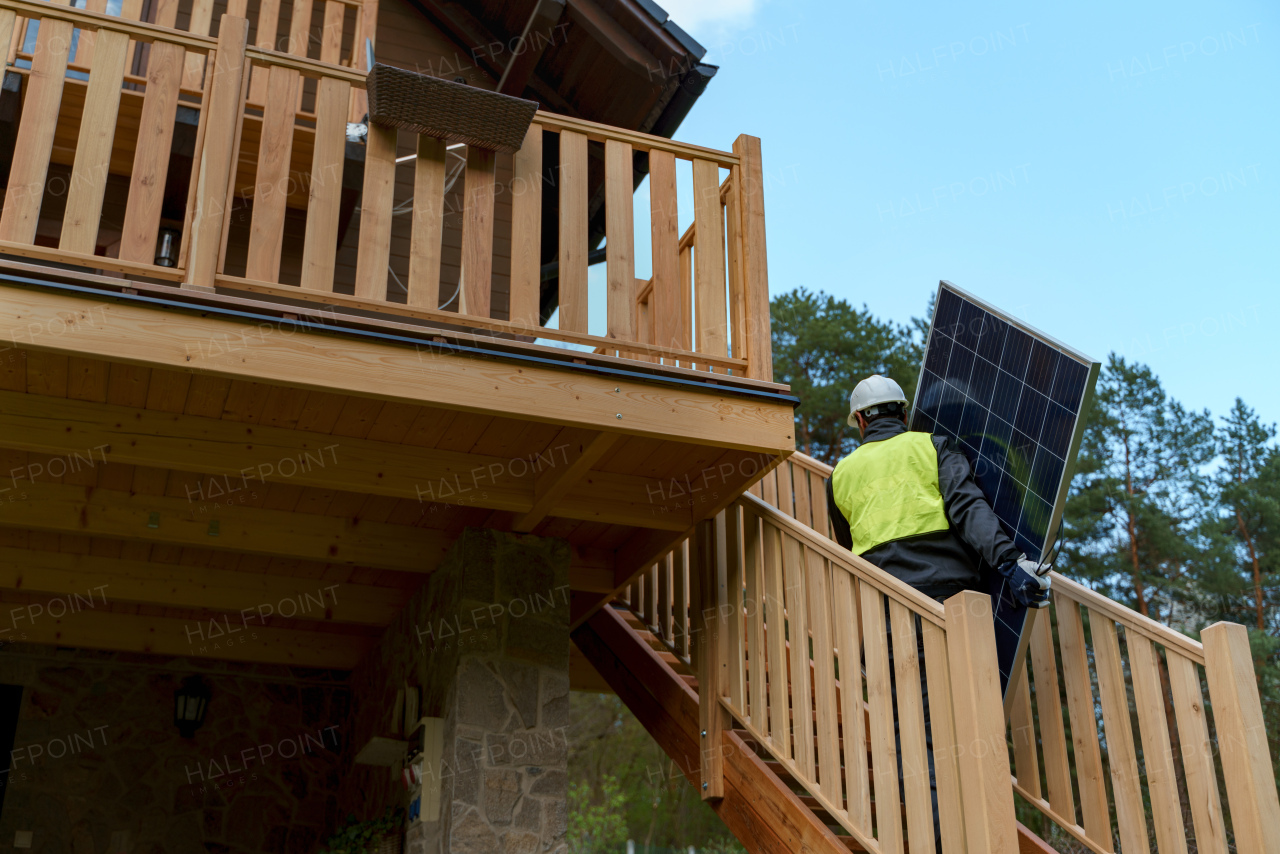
(1010, 398)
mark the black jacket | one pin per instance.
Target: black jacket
(947, 562)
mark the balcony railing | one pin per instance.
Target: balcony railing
(437, 236)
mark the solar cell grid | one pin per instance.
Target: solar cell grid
(1008, 399)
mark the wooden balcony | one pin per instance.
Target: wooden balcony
(349, 360)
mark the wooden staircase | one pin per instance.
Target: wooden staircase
(764, 805)
(728, 603)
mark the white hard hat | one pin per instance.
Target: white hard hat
(873, 391)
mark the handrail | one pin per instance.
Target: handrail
(863, 569)
(637, 140)
(1130, 619)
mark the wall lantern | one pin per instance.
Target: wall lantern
(189, 704)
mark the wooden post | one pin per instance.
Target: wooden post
(758, 336)
(711, 661)
(979, 725)
(214, 173)
(1242, 737)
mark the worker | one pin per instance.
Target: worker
(908, 503)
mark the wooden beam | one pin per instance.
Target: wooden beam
(244, 454)
(99, 629)
(531, 45)
(339, 364)
(207, 524)
(253, 595)
(554, 483)
(615, 40)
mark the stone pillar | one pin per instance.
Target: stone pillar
(491, 643)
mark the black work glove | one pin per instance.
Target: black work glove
(1028, 589)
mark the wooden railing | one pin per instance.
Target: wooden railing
(732, 602)
(797, 487)
(271, 150)
(1166, 773)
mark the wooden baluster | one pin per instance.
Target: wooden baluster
(729, 527)
(526, 231)
(945, 746)
(320, 246)
(769, 487)
(151, 158)
(818, 503)
(300, 28)
(1084, 727)
(1023, 732)
(824, 678)
(1122, 756)
(12, 29)
(166, 12)
(331, 36)
(1197, 755)
(915, 756)
(668, 319)
(884, 754)
(1057, 770)
(776, 628)
(709, 283)
(651, 599)
(664, 598)
(233, 174)
(34, 144)
(680, 599)
(428, 224)
(93, 148)
(573, 232)
(376, 203)
(712, 663)
(637, 604)
(1242, 737)
(268, 30)
(733, 232)
(793, 566)
(201, 21)
(271, 194)
(686, 300)
(216, 170)
(1157, 753)
(755, 619)
(845, 621)
(755, 266)
(800, 481)
(477, 234)
(975, 691)
(620, 259)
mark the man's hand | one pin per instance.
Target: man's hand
(1028, 589)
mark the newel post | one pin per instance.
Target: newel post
(758, 337)
(213, 181)
(1242, 737)
(983, 755)
(707, 551)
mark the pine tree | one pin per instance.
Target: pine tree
(1247, 491)
(1140, 495)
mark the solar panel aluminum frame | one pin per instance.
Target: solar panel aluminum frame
(1068, 471)
(1077, 435)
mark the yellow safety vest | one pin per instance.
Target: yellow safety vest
(888, 490)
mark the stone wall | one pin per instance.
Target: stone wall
(487, 642)
(99, 766)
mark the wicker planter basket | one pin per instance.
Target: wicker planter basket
(447, 110)
(392, 844)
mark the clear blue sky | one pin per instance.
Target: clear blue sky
(1106, 171)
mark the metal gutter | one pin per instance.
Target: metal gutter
(427, 341)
